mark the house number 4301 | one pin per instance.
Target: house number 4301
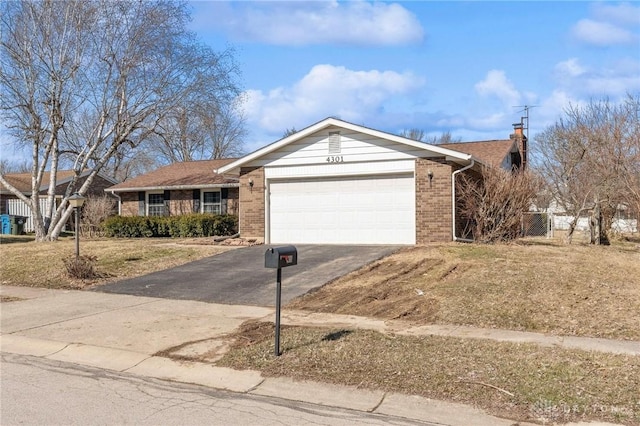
(335, 159)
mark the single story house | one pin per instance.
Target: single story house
(179, 188)
(336, 182)
(12, 205)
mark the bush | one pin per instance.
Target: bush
(94, 211)
(190, 225)
(494, 202)
(82, 267)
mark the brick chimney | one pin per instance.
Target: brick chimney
(518, 135)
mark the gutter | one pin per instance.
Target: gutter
(176, 187)
(453, 202)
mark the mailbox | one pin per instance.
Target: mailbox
(280, 257)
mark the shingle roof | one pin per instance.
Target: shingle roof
(184, 175)
(490, 152)
(22, 181)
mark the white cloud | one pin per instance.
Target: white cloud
(358, 23)
(325, 91)
(496, 84)
(613, 80)
(602, 33)
(622, 14)
(569, 68)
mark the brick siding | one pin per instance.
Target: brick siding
(433, 201)
(232, 201)
(180, 202)
(129, 204)
(251, 203)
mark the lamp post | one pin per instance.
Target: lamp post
(76, 201)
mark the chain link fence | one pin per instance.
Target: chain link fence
(549, 225)
(537, 224)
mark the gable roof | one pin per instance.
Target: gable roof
(489, 152)
(456, 156)
(184, 175)
(22, 181)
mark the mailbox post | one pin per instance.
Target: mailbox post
(278, 258)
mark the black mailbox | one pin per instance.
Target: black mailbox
(280, 257)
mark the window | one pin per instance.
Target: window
(156, 205)
(211, 202)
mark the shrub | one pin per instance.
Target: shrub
(495, 202)
(190, 225)
(94, 211)
(82, 267)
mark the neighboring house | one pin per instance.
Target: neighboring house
(179, 188)
(340, 183)
(10, 204)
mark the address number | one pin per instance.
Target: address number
(335, 159)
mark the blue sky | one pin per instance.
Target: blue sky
(461, 67)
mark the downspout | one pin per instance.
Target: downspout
(119, 202)
(453, 202)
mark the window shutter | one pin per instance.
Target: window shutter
(167, 199)
(141, 200)
(196, 201)
(224, 197)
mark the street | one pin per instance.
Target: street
(40, 391)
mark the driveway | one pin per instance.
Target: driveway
(239, 277)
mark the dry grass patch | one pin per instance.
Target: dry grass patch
(4, 299)
(568, 290)
(41, 264)
(518, 381)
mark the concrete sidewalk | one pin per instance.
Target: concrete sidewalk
(125, 333)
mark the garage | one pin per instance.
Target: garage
(343, 210)
(336, 182)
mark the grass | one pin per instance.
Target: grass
(26, 263)
(523, 382)
(533, 286)
(550, 288)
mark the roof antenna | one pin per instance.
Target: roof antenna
(524, 128)
(524, 120)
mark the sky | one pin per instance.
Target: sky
(463, 67)
(467, 68)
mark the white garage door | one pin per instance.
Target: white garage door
(353, 210)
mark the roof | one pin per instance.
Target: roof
(491, 152)
(184, 175)
(457, 156)
(22, 181)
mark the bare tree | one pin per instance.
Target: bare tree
(289, 132)
(209, 122)
(8, 166)
(421, 136)
(414, 134)
(82, 81)
(445, 137)
(494, 202)
(129, 162)
(590, 159)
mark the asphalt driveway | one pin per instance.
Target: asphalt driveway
(239, 277)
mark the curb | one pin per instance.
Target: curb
(253, 383)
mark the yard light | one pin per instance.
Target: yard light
(76, 201)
